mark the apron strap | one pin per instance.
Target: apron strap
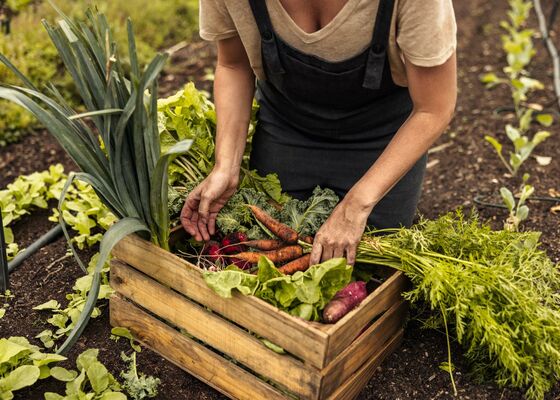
(269, 45)
(378, 50)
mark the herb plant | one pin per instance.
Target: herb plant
(497, 290)
(138, 385)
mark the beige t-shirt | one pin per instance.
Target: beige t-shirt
(422, 30)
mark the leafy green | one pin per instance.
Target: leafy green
(21, 365)
(92, 381)
(138, 385)
(303, 294)
(497, 289)
(189, 114)
(306, 217)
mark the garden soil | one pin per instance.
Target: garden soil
(463, 167)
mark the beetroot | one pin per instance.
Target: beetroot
(241, 237)
(344, 301)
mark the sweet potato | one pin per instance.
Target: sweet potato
(344, 301)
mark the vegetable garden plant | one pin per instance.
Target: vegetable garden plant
(496, 292)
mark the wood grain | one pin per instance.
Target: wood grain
(187, 354)
(354, 385)
(293, 334)
(363, 348)
(381, 299)
(213, 330)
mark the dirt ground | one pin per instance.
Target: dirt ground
(465, 168)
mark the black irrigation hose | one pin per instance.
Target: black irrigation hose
(550, 46)
(479, 200)
(47, 238)
(4, 272)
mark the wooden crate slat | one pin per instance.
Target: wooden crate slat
(215, 331)
(187, 354)
(296, 336)
(345, 331)
(363, 348)
(354, 385)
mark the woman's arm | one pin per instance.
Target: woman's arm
(234, 88)
(434, 93)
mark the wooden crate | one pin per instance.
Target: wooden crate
(158, 294)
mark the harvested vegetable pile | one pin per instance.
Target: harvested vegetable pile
(497, 289)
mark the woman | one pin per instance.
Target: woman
(352, 94)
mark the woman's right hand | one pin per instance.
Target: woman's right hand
(202, 205)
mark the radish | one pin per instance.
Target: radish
(345, 301)
(230, 243)
(212, 250)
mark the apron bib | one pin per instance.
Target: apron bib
(326, 123)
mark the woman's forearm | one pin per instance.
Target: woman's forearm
(434, 94)
(234, 88)
(410, 143)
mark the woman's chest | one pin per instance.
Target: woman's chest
(313, 15)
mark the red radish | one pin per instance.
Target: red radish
(230, 243)
(345, 301)
(212, 249)
(241, 237)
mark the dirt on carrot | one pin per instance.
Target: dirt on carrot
(278, 229)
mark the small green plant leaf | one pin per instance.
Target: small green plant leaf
(49, 305)
(494, 142)
(540, 137)
(508, 198)
(545, 120)
(62, 374)
(21, 377)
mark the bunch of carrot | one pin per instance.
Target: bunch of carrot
(282, 250)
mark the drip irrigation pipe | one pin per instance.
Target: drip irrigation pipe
(479, 200)
(47, 238)
(552, 50)
(4, 272)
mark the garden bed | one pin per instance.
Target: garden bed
(465, 168)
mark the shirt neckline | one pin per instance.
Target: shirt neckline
(312, 37)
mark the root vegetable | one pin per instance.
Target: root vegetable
(299, 264)
(344, 301)
(265, 244)
(281, 231)
(284, 254)
(212, 250)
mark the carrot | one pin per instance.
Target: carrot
(299, 264)
(284, 254)
(307, 239)
(265, 244)
(279, 229)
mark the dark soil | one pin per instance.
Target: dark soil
(457, 174)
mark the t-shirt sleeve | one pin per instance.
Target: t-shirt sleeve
(215, 21)
(426, 31)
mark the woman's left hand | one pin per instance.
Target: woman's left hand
(341, 233)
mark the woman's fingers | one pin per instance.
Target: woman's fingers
(351, 254)
(316, 253)
(338, 251)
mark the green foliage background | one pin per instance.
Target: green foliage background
(158, 24)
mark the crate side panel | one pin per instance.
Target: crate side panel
(214, 330)
(295, 335)
(343, 333)
(363, 348)
(194, 358)
(355, 384)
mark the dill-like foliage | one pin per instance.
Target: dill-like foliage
(497, 290)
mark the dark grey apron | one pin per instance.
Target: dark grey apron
(326, 123)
